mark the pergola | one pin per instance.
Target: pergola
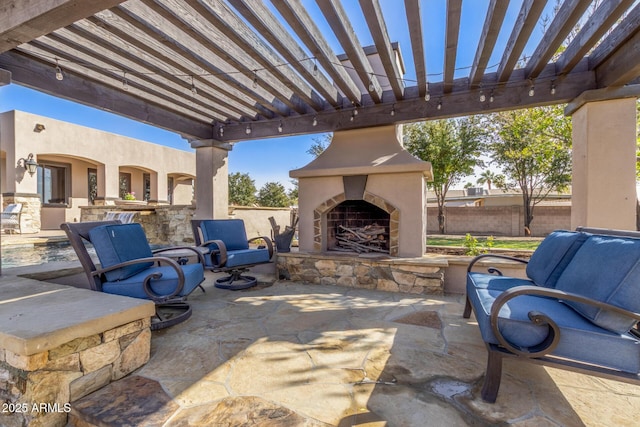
(222, 71)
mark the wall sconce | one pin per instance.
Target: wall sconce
(39, 127)
(29, 164)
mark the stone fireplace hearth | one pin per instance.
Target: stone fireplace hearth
(364, 177)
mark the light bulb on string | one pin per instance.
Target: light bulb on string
(372, 87)
(315, 121)
(482, 96)
(221, 131)
(393, 110)
(280, 127)
(59, 75)
(248, 130)
(427, 95)
(439, 107)
(532, 90)
(491, 97)
(553, 88)
(255, 79)
(125, 83)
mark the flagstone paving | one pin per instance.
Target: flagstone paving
(290, 354)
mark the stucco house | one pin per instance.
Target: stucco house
(80, 166)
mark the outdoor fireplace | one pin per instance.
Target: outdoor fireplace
(365, 181)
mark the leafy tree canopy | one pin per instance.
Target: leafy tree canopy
(242, 190)
(273, 194)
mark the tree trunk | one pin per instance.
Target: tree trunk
(441, 219)
(528, 214)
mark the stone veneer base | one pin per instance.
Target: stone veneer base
(59, 343)
(411, 275)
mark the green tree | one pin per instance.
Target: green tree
(293, 192)
(533, 148)
(453, 147)
(242, 189)
(273, 194)
(319, 144)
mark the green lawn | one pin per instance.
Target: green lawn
(527, 244)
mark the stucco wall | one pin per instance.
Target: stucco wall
(499, 220)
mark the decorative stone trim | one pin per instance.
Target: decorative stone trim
(40, 388)
(319, 215)
(415, 276)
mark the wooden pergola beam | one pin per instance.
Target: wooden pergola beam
(375, 20)
(522, 29)
(261, 18)
(565, 20)
(339, 22)
(24, 20)
(622, 66)
(300, 21)
(38, 75)
(492, 24)
(623, 32)
(452, 31)
(413, 108)
(414, 21)
(596, 26)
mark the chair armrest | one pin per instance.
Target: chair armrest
(550, 343)
(221, 249)
(267, 240)
(153, 275)
(493, 269)
(189, 248)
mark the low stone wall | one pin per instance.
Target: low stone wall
(416, 275)
(38, 390)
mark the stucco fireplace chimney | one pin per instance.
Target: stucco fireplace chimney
(360, 168)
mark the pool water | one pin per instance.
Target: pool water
(25, 255)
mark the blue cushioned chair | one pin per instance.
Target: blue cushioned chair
(230, 251)
(129, 267)
(577, 309)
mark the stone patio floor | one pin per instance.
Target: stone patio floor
(291, 354)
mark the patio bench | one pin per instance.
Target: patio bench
(578, 309)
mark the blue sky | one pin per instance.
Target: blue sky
(271, 159)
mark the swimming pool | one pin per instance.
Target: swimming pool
(25, 255)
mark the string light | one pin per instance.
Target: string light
(439, 105)
(482, 96)
(315, 67)
(532, 90)
(355, 112)
(125, 83)
(194, 91)
(427, 96)
(491, 96)
(221, 131)
(280, 127)
(393, 110)
(553, 88)
(353, 116)
(59, 75)
(248, 130)
(315, 121)
(255, 79)
(372, 87)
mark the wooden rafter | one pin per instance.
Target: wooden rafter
(38, 75)
(452, 31)
(300, 21)
(597, 26)
(492, 24)
(565, 20)
(24, 20)
(527, 19)
(230, 25)
(624, 31)
(209, 40)
(622, 66)
(261, 18)
(337, 18)
(375, 20)
(414, 21)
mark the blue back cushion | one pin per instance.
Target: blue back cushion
(606, 269)
(118, 243)
(230, 231)
(553, 255)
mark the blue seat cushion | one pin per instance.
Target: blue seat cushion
(244, 257)
(606, 269)
(117, 243)
(165, 285)
(580, 339)
(553, 255)
(230, 231)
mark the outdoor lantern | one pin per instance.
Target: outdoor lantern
(29, 164)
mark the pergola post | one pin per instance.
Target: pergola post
(212, 182)
(604, 164)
